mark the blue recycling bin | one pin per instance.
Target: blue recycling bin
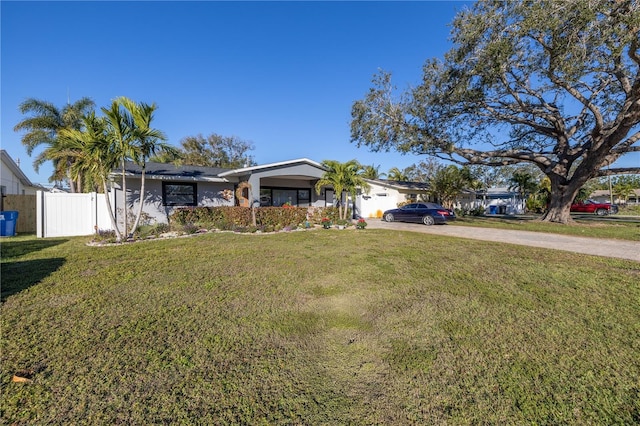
(8, 221)
(493, 209)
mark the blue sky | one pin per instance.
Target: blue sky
(282, 75)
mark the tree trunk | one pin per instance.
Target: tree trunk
(114, 222)
(559, 209)
(124, 197)
(141, 203)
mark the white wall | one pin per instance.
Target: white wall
(11, 182)
(379, 199)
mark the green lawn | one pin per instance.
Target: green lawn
(317, 327)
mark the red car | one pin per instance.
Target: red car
(590, 206)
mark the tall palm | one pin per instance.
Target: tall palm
(148, 142)
(397, 174)
(119, 132)
(623, 190)
(372, 172)
(523, 182)
(342, 177)
(42, 126)
(93, 156)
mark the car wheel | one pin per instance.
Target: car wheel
(388, 217)
(601, 212)
(428, 220)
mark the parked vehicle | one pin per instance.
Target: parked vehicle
(427, 213)
(591, 206)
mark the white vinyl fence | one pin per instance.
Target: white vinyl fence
(65, 215)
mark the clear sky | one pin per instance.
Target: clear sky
(282, 75)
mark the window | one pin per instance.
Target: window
(280, 196)
(265, 197)
(179, 194)
(304, 198)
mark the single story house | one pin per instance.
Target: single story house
(13, 179)
(168, 186)
(604, 196)
(499, 200)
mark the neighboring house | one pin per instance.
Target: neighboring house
(14, 181)
(498, 201)
(604, 196)
(385, 194)
(168, 186)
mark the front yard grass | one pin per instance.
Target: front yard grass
(317, 327)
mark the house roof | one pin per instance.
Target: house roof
(168, 171)
(262, 167)
(400, 185)
(15, 169)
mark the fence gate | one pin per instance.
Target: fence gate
(67, 215)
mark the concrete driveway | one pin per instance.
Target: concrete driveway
(595, 246)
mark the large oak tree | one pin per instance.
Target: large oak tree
(213, 151)
(551, 83)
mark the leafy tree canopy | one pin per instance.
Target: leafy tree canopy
(213, 151)
(551, 83)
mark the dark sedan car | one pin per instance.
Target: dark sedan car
(427, 213)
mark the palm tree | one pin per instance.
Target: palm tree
(120, 135)
(342, 177)
(147, 142)
(623, 190)
(93, 156)
(372, 172)
(523, 182)
(42, 127)
(397, 174)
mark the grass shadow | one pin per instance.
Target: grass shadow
(18, 276)
(22, 247)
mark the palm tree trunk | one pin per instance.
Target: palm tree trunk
(140, 202)
(124, 196)
(114, 222)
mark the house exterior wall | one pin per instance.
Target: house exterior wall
(379, 199)
(603, 196)
(209, 194)
(11, 182)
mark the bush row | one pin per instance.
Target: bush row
(239, 218)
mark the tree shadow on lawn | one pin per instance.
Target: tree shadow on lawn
(18, 276)
(22, 247)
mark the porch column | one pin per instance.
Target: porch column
(254, 181)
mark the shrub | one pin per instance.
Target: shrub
(105, 236)
(190, 228)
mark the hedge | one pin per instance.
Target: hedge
(239, 218)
